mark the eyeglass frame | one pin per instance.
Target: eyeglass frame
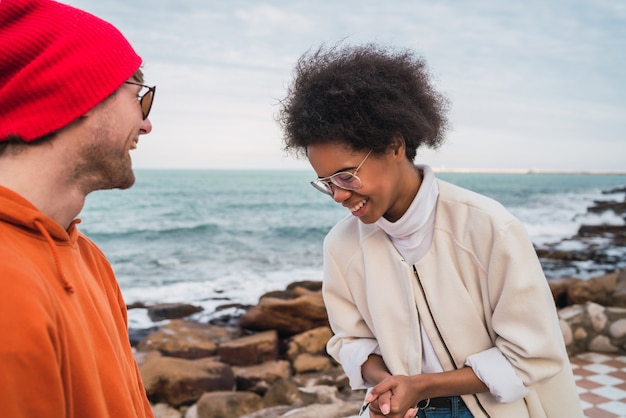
(327, 181)
(151, 89)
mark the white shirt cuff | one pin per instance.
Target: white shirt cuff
(494, 370)
(352, 355)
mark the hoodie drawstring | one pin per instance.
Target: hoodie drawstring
(55, 254)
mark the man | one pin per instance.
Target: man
(72, 106)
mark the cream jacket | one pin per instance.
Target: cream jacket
(479, 286)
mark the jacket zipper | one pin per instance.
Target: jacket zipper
(430, 312)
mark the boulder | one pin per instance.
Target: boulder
(306, 362)
(251, 349)
(228, 404)
(606, 290)
(164, 311)
(282, 392)
(305, 311)
(179, 381)
(559, 288)
(163, 410)
(312, 342)
(185, 339)
(259, 378)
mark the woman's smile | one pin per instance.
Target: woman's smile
(359, 208)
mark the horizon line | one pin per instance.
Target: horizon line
(459, 170)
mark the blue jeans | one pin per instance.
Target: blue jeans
(455, 411)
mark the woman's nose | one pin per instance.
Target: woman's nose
(339, 194)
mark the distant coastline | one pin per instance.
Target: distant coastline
(526, 171)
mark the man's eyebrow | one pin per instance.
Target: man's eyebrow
(138, 76)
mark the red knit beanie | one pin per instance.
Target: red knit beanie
(56, 63)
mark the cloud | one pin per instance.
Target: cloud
(532, 83)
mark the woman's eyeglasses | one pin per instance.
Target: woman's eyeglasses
(146, 99)
(343, 179)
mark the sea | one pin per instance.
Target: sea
(216, 238)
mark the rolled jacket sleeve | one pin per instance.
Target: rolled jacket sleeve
(493, 369)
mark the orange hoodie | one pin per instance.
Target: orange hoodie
(64, 347)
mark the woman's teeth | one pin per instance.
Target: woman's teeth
(358, 205)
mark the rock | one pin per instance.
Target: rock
(135, 335)
(312, 342)
(618, 329)
(163, 410)
(566, 330)
(319, 395)
(602, 344)
(559, 287)
(597, 317)
(282, 392)
(596, 247)
(597, 289)
(616, 233)
(258, 378)
(594, 328)
(619, 293)
(249, 350)
(271, 412)
(335, 410)
(172, 311)
(304, 312)
(294, 289)
(618, 208)
(181, 382)
(228, 404)
(192, 412)
(295, 375)
(306, 362)
(185, 339)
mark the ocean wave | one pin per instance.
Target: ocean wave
(154, 232)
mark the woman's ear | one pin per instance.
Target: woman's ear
(397, 146)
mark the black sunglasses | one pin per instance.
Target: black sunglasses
(146, 99)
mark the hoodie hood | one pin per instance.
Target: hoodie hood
(16, 210)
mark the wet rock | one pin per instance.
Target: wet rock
(164, 311)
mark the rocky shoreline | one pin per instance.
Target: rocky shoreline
(270, 361)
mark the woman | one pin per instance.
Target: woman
(435, 295)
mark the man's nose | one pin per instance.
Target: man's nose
(146, 127)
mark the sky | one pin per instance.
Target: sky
(536, 84)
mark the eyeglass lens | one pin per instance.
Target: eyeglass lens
(344, 180)
(146, 99)
(146, 103)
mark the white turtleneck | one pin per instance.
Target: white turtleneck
(412, 235)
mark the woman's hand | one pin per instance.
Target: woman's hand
(394, 397)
